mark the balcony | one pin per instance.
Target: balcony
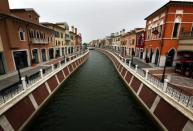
(39, 41)
(187, 35)
(186, 41)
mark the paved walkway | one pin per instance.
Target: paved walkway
(12, 78)
(174, 78)
(6, 82)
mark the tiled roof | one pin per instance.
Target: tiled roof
(3, 14)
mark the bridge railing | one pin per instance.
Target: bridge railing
(179, 94)
(28, 81)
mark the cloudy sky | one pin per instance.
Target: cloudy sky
(93, 18)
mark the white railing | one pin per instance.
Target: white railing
(181, 96)
(39, 41)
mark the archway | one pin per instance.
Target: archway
(157, 57)
(151, 54)
(170, 58)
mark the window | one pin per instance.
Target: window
(21, 34)
(61, 35)
(38, 35)
(31, 34)
(30, 16)
(176, 27)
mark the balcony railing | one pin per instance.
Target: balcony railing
(187, 35)
(39, 41)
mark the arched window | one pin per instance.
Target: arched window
(38, 34)
(21, 34)
(161, 28)
(176, 27)
(31, 33)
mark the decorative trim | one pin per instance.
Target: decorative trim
(31, 97)
(155, 103)
(5, 124)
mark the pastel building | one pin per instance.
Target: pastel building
(131, 44)
(164, 27)
(140, 40)
(24, 41)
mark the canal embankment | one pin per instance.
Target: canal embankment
(22, 106)
(169, 109)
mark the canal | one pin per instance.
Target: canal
(94, 98)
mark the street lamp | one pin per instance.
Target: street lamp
(19, 74)
(163, 75)
(132, 55)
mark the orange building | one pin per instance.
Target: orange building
(163, 30)
(24, 42)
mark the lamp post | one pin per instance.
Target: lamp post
(19, 74)
(163, 75)
(132, 55)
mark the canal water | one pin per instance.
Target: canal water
(94, 98)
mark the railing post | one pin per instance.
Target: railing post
(146, 74)
(129, 64)
(125, 60)
(52, 67)
(24, 83)
(41, 73)
(136, 68)
(60, 64)
(165, 84)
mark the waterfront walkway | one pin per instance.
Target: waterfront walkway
(12, 78)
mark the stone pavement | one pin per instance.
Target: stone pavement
(174, 78)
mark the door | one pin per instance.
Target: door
(2, 69)
(43, 55)
(35, 56)
(20, 58)
(51, 53)
(157, 57)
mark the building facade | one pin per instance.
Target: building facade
(164, 27)
(140, 40)
(24, 41)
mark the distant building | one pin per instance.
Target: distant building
(140, 40)
(131, 44)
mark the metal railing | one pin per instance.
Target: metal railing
(11, 91)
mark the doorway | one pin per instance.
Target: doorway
(170, 57)
(2, 66)
(20, 58)
(43, 55)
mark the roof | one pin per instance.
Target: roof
(25, 9)
(63, 23)
(52, 24)
(187, 3)
(3, 14)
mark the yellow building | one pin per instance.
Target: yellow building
(59, 39)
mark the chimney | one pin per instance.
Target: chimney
(72, 27)
(75, 30)
(4, 6)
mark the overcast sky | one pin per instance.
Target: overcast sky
(93, 18)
